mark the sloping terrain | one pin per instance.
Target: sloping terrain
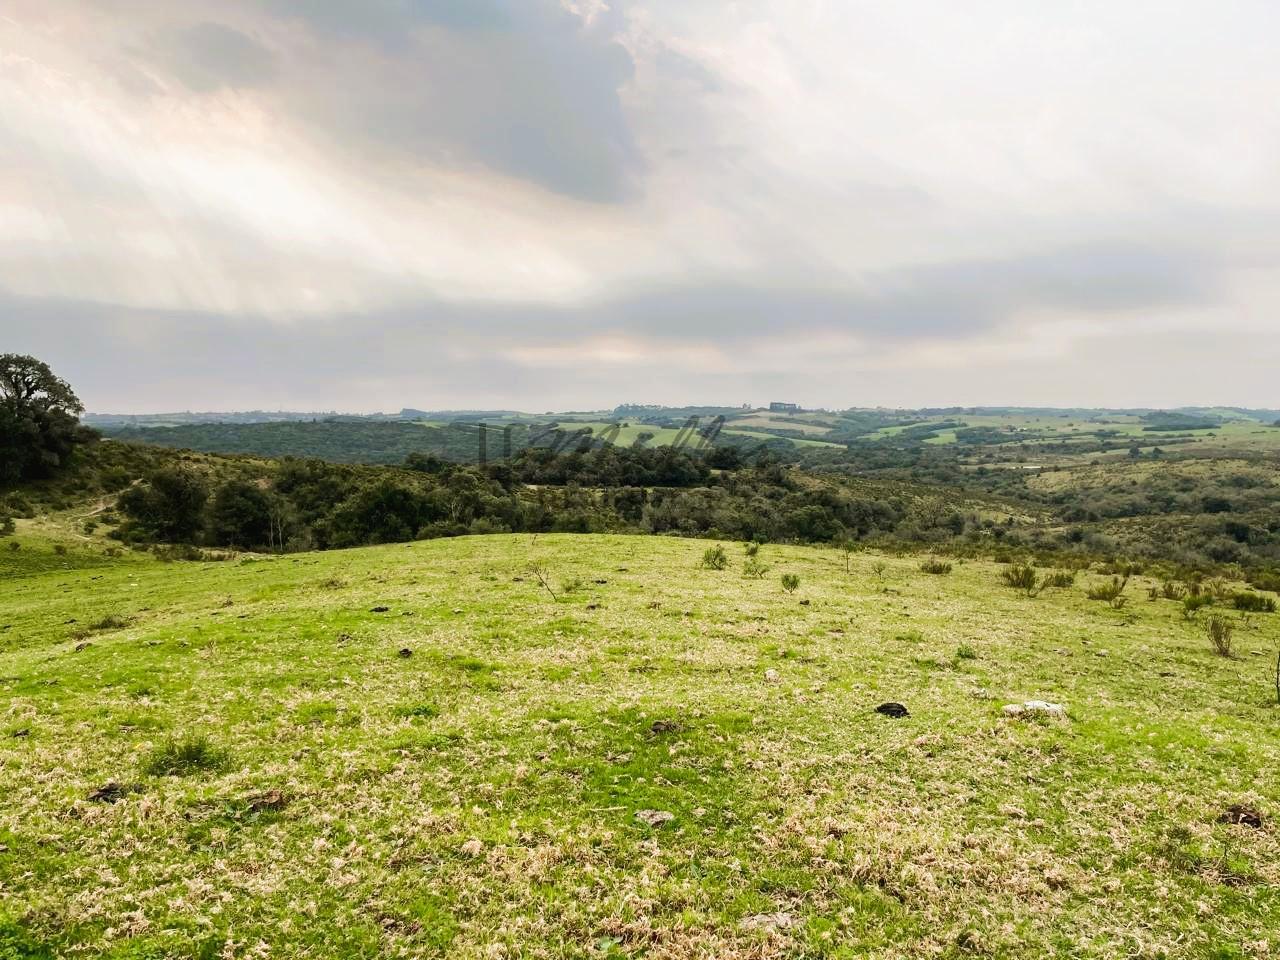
(592, 746)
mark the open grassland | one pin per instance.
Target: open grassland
(418, 751)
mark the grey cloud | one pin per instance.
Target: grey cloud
(955, 301)
(210, 56)
(521, 87)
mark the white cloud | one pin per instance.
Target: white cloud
(766, 191)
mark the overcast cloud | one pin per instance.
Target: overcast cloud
(552, 204)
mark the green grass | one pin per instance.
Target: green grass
(291, 784)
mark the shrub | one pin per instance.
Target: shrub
(935, 566)
(1192, 604)
(177, 758)
(714, 558)
(7, 526)
(754, 569)
(60, 549)
(790, 582)
(1061, 579)
(1253, 602)
(1220, 630)
(1020, 577)
(1111, 592)
(966, 652)
(751, 549)
(110, 622)
(15, 546)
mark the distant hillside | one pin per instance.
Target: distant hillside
(340, 441)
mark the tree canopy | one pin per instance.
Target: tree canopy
(38, 419)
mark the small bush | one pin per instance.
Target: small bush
(966, 652)
(7, 526)
(715, 558)
(110, 622)
(1221, 632)
(572, 585)
(419, 711)
(1060, 579)
(1193, 603)
(753, 569)
(1020, 577)
(1111, 592)
(15, 546)
(790, 582)
(935, 566)
(751, 549)
(1253, 602)
(178, 758)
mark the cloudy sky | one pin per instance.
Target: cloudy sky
(553, 204)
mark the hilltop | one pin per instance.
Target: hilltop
(419, 750)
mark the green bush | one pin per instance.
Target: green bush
(1193, 603)
(714, 558)
(1253, 602)
(1111, 592)
(1220, 630)
(790, 582)
(935, 566)
(753, 569)
(178, 758)
(1020, 577)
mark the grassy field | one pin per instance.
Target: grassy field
(418, 751)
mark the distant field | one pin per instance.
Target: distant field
(417, 751)
(805, 424)
(761, 435)
(628, 435)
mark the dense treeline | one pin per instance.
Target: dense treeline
(336, 440)
(304, 504)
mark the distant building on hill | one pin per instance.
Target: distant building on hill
(776, 407)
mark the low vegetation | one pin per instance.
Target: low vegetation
(424, 750)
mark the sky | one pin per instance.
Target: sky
(571, 204)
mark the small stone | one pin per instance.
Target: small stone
(108, 793)
(768, 921)
(772, 676)
(654, 818)
(404, 653)
(82, 646)
(379, 609)
(893, 709)
(1032, 707)
(664, 726)
(271, 800)
(1242, 816)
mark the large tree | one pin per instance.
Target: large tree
(38, 419)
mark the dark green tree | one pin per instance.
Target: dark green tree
(38, 419)
(240, 515)
(170, 507)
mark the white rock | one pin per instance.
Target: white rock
(772, 676)
(654, 818)
(1055, 710)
